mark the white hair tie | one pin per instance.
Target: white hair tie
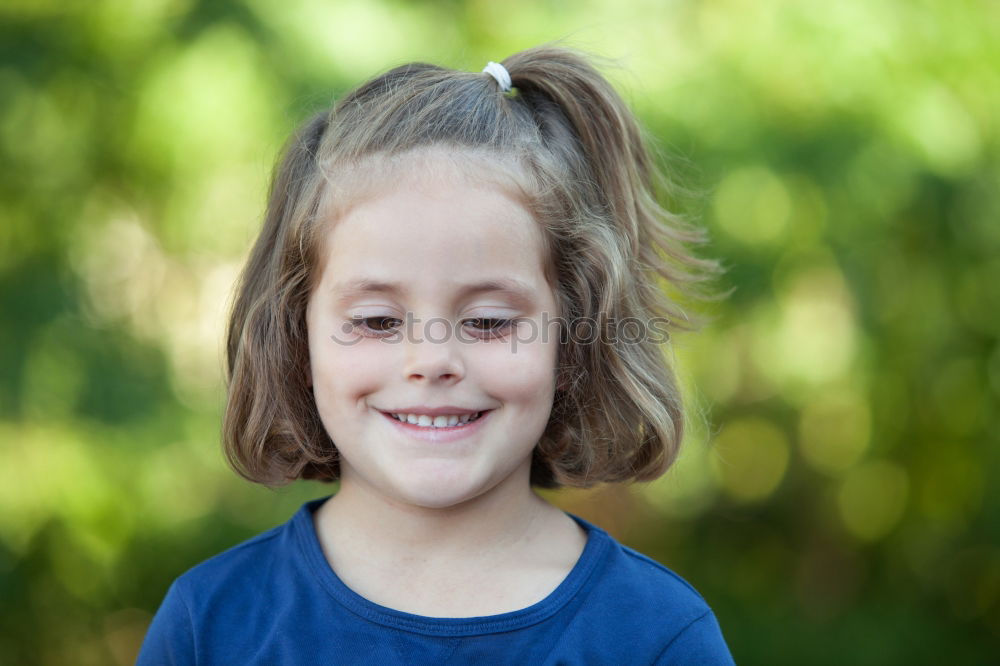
(500, 73)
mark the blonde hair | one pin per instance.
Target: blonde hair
(592, 184)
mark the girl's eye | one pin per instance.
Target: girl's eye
(376, 327)
(489, 328)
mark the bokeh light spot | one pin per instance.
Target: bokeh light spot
(752, 459)
(687, 489)
(937, 124)
(951, 488)
(813, 340)
(835, 431)
(753, 205)
(872, 498)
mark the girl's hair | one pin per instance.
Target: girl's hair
(585, 171)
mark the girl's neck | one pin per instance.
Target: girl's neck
(487, 525)
(500, 552)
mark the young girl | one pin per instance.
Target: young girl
(432, 316)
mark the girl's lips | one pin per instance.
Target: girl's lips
(443, 434)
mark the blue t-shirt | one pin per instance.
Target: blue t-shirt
(275, 600)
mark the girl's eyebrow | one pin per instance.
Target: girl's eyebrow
(518, 290)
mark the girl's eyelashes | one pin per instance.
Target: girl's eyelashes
(485, 328)
(375, 327)
(488, 328)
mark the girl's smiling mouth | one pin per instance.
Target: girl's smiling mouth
(441, 421)
(438, 424)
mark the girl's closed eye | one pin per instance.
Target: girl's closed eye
(488, 328)
(381, 326)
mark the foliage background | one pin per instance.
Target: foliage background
(839, 502)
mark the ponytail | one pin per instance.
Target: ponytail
(566, 92)
(619, 250)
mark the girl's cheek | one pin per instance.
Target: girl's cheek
(362, 368)
(526, 371)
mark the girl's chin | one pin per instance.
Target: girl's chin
(443, 491)
(438, 497)
(445, 484)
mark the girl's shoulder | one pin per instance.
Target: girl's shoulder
(240, 559)
(242, 569)
(633, 600)
(627, 573)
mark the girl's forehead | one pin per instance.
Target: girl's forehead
(435, 229)
(435, 220)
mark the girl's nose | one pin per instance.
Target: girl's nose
(432, 354)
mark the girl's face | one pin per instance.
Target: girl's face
(433, 307)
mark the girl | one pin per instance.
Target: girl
(432, 316)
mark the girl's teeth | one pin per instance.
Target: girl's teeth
(435, 421)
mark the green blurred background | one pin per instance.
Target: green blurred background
(837, 501)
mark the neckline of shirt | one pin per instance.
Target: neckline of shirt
(596, 546)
